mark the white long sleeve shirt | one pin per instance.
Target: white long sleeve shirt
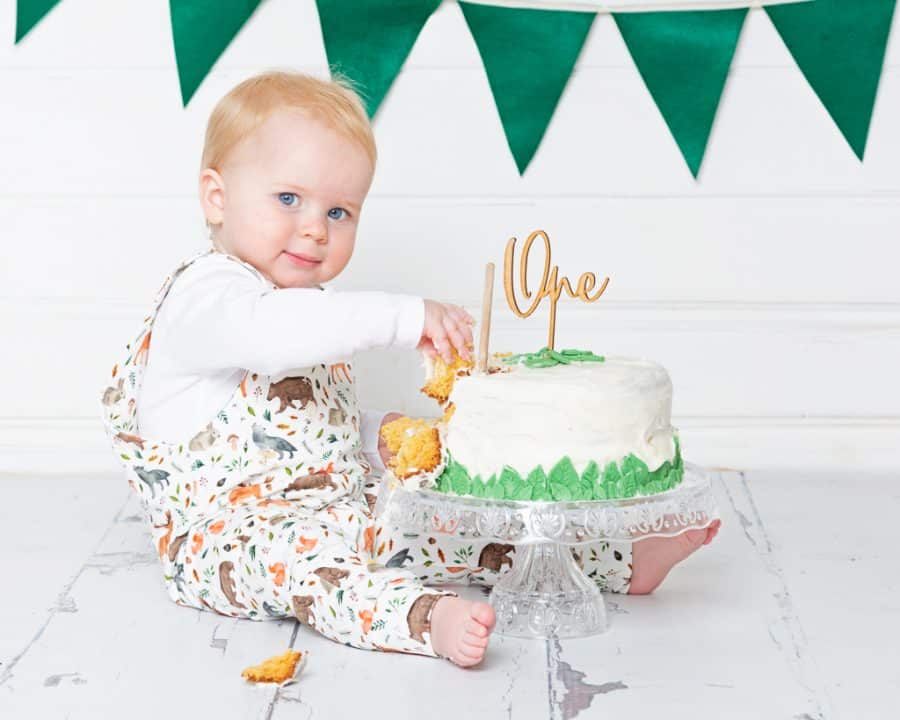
(220, 319)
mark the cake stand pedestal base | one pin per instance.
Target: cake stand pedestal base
(546, 594)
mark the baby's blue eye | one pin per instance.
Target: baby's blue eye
(336, 213)
(286, 198)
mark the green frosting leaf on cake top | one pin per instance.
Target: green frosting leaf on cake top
(545, 357)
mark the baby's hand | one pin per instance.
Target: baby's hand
(446, 327)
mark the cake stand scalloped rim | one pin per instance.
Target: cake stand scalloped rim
(690, 505)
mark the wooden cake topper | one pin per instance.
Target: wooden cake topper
(551, 285)
(486, 301)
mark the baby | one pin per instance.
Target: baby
(238, 425)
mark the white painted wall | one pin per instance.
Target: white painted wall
(768, 288)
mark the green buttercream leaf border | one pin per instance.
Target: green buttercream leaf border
(616, 481)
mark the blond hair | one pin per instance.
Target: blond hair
(249, 104)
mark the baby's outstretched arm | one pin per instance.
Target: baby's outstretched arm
(219, 315)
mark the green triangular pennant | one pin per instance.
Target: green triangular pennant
(370, 43)
(683, 58)
(839, 47)
(29, 13)
(201, 30)
(528, 56)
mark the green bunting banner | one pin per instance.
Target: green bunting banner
(683, 56)
(369, 45)
(201, 30)
(29, 13)
(684, 59)
(528, 56)
(839, 47)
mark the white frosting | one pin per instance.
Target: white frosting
(526, 417)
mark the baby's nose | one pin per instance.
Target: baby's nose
(315, 229)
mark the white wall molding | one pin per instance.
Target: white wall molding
(62, 446)
(726, 359)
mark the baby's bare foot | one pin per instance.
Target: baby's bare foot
(652, 558)
(460, 629)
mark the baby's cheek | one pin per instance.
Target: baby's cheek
(338, 257)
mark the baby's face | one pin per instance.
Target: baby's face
(290, 199)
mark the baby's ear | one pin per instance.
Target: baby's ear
(212, 196)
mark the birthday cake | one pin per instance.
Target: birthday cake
(544, 426)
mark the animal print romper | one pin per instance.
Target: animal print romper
(267, 511)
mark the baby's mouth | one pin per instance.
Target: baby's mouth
(302, 260)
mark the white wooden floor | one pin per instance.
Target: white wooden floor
(793, 613)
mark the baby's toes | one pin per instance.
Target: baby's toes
(466, 656)
(475, 628)
(470, 654)
(473, 640)
(693, 539)
(484, 615)
(712, 531)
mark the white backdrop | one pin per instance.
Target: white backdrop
(768, 288)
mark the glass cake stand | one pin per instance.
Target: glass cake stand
(546, 593)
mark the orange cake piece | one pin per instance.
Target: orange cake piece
(395, 432)
(419, 453)
(276, 669)
(440, 376)
(415, 445)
